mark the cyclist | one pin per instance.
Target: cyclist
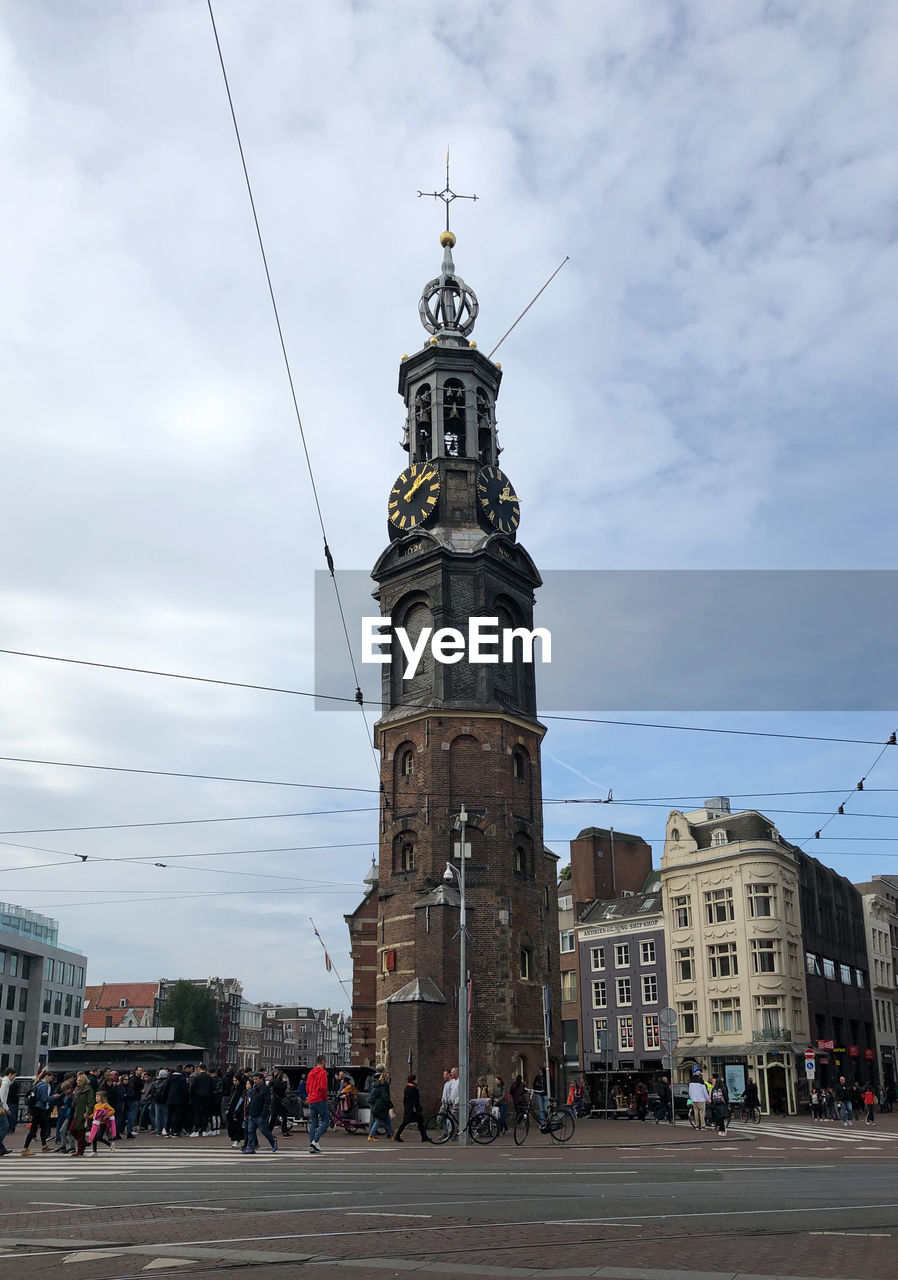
(750, 1099)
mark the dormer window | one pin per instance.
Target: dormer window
(675, 834)
(718, 838)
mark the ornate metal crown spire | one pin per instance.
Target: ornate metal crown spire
(448, 306)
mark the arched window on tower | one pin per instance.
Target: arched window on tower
(407, 763)
(454, 428)
(519, 764)
(484, 428)
(404, 852)
(522, 855)
(423, 417)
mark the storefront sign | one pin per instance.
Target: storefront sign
(869, 1055)
(826, 1044)
(852, 1051)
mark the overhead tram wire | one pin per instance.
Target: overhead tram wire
(411, 706)
(329, 559)
(859, 786)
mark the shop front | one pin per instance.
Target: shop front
(779, 1074)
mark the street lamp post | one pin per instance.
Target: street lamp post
(462, 984)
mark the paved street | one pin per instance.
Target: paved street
(625, 1201)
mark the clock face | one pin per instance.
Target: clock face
(414, 495)
(498, 500)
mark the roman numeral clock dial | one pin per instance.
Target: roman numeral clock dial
(498, 500)
(414, 496)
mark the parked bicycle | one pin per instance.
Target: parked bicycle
(559, 1122)
(482, 1126)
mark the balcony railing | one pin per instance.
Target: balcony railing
(772, 1033)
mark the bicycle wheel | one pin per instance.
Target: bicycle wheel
(692, 1117)
(561, 1126)
(483, 1128)
(440, 1128)
(756, 1114)
(521, 1128)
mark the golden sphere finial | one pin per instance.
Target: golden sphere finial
(447, 240)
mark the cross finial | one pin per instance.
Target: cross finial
(447, 195)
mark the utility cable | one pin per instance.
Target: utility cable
(841, 808)
(329, 559)
(438, 711)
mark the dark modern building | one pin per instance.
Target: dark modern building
(839, 1003)
(41, 990)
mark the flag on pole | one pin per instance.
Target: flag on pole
(327, 962)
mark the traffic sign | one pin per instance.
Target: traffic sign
(669, 1042)
(810, 1055)
(810, 1068)
(667, 1019)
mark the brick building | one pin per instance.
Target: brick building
(120, 1004)
(459, 734)
(227, 994)
(363, 927)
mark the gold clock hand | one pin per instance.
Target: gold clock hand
(420, 480)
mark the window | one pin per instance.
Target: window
(675, 834)
(10, 997)
(859, 978)
(789, 906)
(597, 957)
(812, 964)
(682, 912)
(45, 1033)
(23, 999)
(760, 900)
(77, 1012)
(649, 988)
(526, 963)
(567, 940)
(55, 1036)
(48, 1000)
(20, 1033)
(407, 763)
(520, 860)
(68, 1005)
(13, 964)
(684, 958)
(79, 976)
(518, 765)
(625, 1035)
(688, 1018)
(57, 1004)
(623, 991)
(7, 1030)
(569, 985)
(622, 955)
(769, 1013)
(765, 955)
(719, 908)
(726, 1015)
(566, 903)
(49, 974)
(647, 952)
(845, 974)
(123, 1003)
(829, 968)
(407, 857)
(599, 1027)
(652, 1031)
(599, 994)
(722, 960)
(718, 838)
(70, 975)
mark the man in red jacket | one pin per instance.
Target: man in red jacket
(316, 1086)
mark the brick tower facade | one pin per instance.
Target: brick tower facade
(460, 734)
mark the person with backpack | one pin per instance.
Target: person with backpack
(38, 1102)
(720, 1104)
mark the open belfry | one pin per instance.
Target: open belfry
(458, 735)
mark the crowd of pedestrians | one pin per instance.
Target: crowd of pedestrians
(846, 1103)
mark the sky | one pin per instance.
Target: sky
(708, 384)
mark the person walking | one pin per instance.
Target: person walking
(102, 1123)
(200, 1089)
(316, 1091)
(6, 1082)
(720, 1104)
(82, 1107)
(411, 1110)
(178, 1099)
(258, 1108)
(279, 1087)
(698, 1100)
(161, 1087)
(665, 1101)
(38, 1102)
(870, 1104)
(381, 1105)
(843, 1097)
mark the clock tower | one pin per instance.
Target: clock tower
(459, 734)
